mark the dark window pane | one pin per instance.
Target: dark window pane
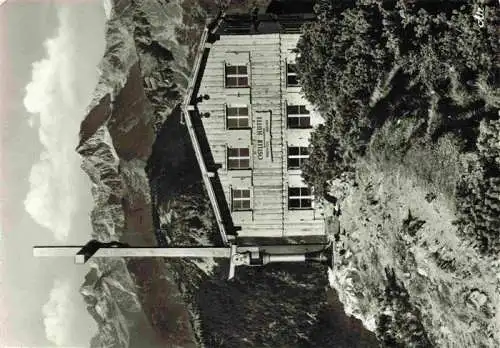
(305, 191)
(232, 111)
(231, 69)
(236, 193)
(293, 163)
(243, 111)
(305, 122)
(245, 193)
(233, 164)
(293, 151)
(293, 191)
(304, 151)
(292, 80)
(294, 203)
(244, 152)
(243, 81)
(232, 123)
(242, 70)
(245, 163)
(297, 110)
(233, 152)
(241, 204)
(293, 122)
(292, 68)
(306, 203)
(231, 81)
(236, 205)
(303, 110)
(292, 109)
(243, 122)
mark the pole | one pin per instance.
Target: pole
(81, 255)
(237, 255)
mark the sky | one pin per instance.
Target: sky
(49, 51)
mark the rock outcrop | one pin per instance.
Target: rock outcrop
(389, 224)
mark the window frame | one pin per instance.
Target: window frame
(238, 117)
(301, 197)
(301, 157)
(299, 115)
(237, 75)
(291, 74)
(241, 199)
(239, 158)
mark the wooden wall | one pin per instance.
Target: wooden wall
(266, 57)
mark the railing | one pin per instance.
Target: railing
(196, 67)
(194, 140)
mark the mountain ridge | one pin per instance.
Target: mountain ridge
(116, 139)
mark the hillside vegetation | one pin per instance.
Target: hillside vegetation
(411, 149)
(407, 81)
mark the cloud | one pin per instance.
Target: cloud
(56, 102)
(65, 320)
(108, 8)
(59, 314)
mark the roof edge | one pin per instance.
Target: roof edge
(188, 108)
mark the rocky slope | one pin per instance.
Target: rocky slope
(400, 234)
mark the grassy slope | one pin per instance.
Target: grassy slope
(443, 275)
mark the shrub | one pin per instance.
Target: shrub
(478, 192)
(329, 157)
(399, 325)
(341, 57)
(368, 62)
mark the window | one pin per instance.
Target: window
(298, 116)
(238, 158)
(237, 117)
(240, 199)
(296, 156)
(236, 76)
(299, 198)
(291, 75)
